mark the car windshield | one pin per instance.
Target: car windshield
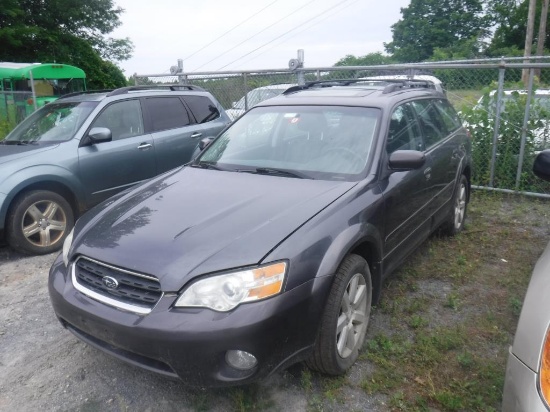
(316, 142)
(54, 122)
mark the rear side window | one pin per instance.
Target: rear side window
(202, 108)
(166, 113)
(448, 114)
(431, 121)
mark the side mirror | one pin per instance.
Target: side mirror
(407, 160)
(203, 144)
(541, 167)
(100, 135)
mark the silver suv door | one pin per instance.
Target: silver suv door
(109, 167)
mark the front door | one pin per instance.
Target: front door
(109, 167)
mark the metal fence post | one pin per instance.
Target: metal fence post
(501, 72)
(245, 92)
(33, 91)
(524, 127)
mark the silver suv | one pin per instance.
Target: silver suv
(83, 148)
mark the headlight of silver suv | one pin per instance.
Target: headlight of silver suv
(226, 291)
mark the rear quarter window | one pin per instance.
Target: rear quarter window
(202, 108)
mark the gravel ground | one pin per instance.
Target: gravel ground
(44, 367)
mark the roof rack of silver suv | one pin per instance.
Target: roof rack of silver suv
(172, 87)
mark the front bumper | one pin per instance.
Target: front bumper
(191, 343)
(520, 388)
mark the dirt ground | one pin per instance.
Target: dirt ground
(44, 367)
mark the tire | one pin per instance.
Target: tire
(38, 222)
(457, 215)
(334, 353)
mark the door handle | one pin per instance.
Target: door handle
(428, 173)
(196, 134)
(145, 146)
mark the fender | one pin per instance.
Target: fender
(36, 177)
(348, 241)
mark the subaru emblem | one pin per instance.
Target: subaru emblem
(110, 282)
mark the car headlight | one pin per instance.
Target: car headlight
(67, 246)
(226, 291)
(544, 373)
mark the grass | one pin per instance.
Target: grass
(451, 352)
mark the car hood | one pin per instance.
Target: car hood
(535, 314)
(195, 221)
(11, 152)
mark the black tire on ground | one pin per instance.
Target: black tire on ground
(38, 222)
(345, 318)
(459, 205)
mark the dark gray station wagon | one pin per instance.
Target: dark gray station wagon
(77, 151)
(272, 245)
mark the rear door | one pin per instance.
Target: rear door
(109, 167)
(443, 136)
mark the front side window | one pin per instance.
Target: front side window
(122, 118)
(321, 142)
(403, 133)
(54, 122)
(166, 113)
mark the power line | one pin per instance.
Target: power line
(230, 30)
(305, 28)
(254, 35)
(287, 32)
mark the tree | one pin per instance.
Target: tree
(371, 59)
(430, 24)
(510, 21)
(65, 31)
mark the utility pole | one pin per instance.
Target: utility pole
(529, 39)
(542, 28)
(542, 32)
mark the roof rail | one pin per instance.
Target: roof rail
(85, 92)
(391, 84)
(172, 87)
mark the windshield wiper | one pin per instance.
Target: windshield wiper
(205, 165)
(274, 172)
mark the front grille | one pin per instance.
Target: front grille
(127, 288)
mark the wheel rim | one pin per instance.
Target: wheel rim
(44, 223)
(353, 318)
(460, 206)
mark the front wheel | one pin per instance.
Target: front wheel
(38, 222)
(345, 319)
(455, 221)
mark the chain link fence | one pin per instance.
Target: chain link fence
(14, 107)
(509, 123)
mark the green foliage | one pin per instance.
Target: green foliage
(481, 123)
(371, 59)
(65, 31)
(430, 24)
(510, 19)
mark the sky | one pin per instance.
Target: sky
(215, 35)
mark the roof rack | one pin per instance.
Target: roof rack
(172, 87)
(85, 92)
(394, 84)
